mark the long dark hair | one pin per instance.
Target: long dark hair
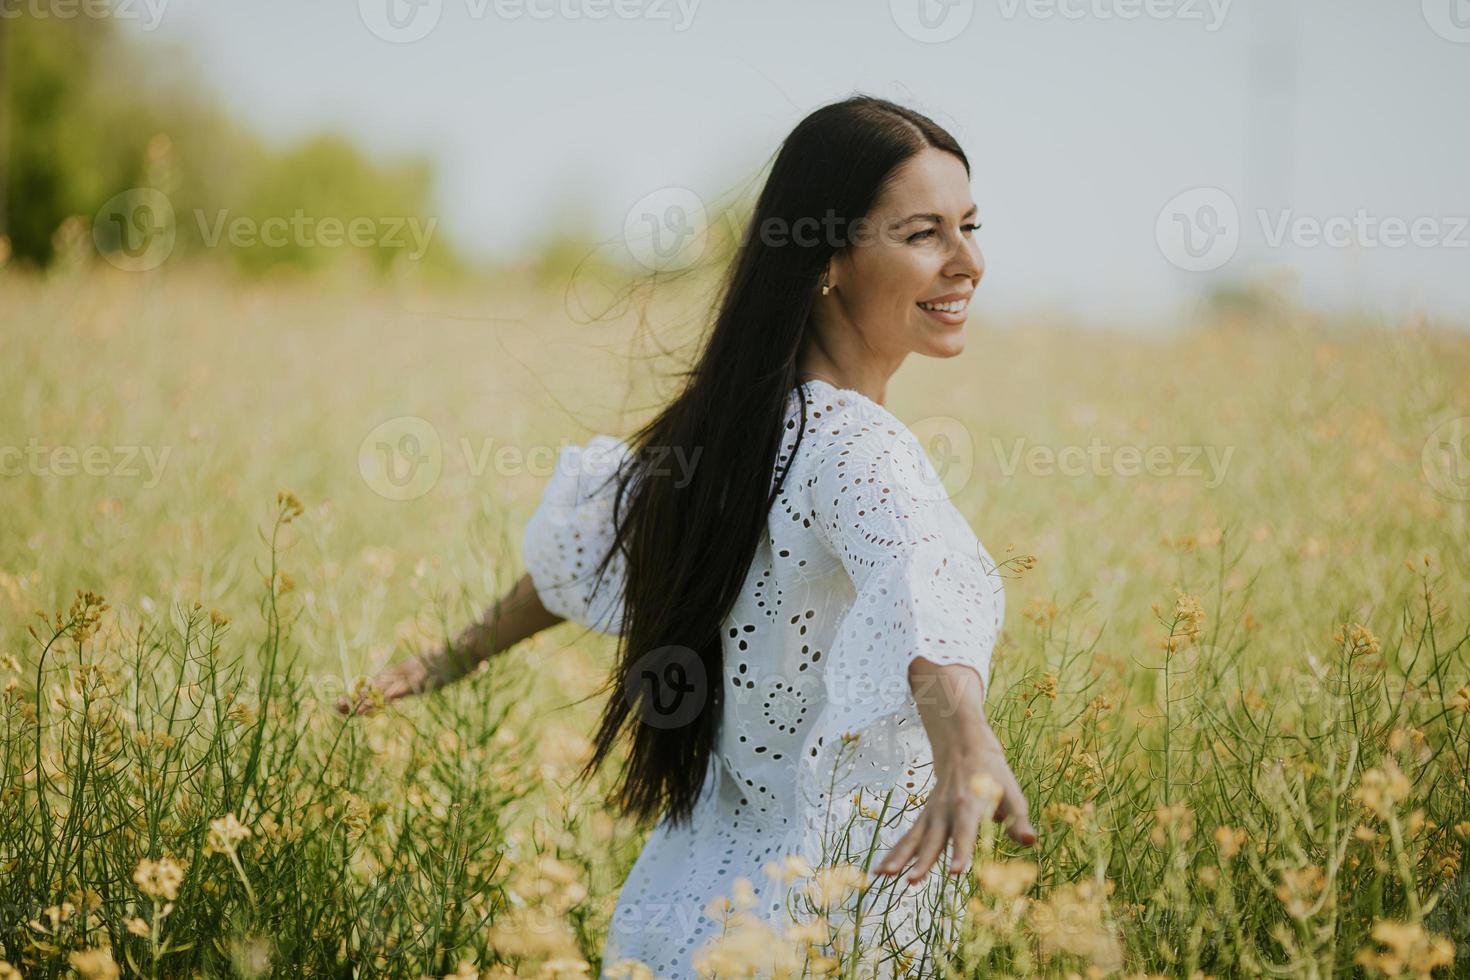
(688, 541)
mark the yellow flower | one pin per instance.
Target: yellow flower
(984, 786)
(1178, 817)
(1228, 840)
(1358, 638)
(1073, 919)
(831, 885)
(159, 879)
(1410, 948)
(225, 832)
(1382, 788)
(1007, 879)
(1039, 610)
(1047, 685)
(749, 948)
(290, 507)
(788, 869)
(629, 969)
(241, 714)
(94, 964)
(744, 893)
(1189, 619)
(1299, 890)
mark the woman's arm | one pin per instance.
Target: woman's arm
(951, 703)
(516, 616)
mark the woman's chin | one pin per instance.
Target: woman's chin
(946, 342)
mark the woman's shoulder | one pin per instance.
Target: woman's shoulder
(843, 423)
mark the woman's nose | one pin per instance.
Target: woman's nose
(969, 261)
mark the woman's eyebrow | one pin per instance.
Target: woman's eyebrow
(931, 216)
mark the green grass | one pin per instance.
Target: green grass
(1236, 697)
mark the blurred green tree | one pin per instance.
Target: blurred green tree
(86, 117)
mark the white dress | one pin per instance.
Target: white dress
(865, 565)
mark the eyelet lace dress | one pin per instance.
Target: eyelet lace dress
(865, 565)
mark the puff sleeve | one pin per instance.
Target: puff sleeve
(923, 583)
(571, 530)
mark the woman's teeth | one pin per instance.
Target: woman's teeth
(953, 307)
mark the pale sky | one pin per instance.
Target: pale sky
(1324, 135)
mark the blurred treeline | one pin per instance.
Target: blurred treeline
(86, 115)
(95, 126)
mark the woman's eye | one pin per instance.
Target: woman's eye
(929, 232)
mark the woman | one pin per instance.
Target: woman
(805, 622)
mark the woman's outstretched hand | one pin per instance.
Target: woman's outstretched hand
(399, 680)
(973, 782)
(513, 618)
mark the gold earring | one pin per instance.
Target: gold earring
(826, 288)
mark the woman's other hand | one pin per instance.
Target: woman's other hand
(973, 781)
(399, 680)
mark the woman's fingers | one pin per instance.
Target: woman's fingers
(899, 854)
(930, 846)
(902, 853)
(1013, 814)
(966, 829)
(1012, 811)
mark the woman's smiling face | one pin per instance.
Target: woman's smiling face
(916, 247)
